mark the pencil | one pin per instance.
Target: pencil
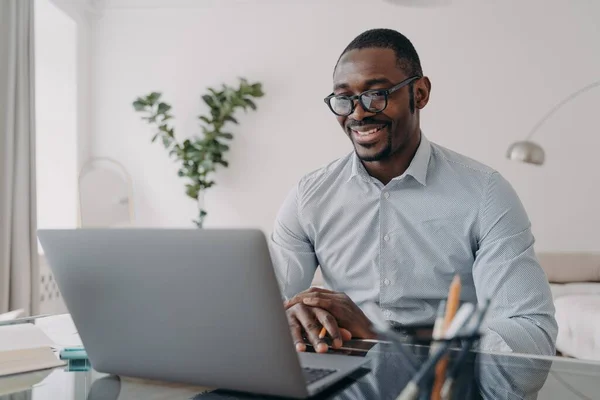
(322, 333)
(451, 307)
(453, 301)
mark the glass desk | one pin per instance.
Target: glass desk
(486, 376)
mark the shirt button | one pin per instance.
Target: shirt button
(387, 313)
(386, 195)
(386, 282)
(386, 238)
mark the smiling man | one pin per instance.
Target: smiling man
(396, 219)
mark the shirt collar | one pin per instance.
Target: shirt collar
(417, 168)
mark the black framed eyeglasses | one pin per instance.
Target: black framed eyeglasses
(374, 101)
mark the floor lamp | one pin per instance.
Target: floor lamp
(532, 153)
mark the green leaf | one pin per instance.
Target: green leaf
(231, 119)
(153, 97)
(215, 93)
(196, 155)
(205, 119)
(223, 147)
(154, 138)
(209, 100)
(250, 103)
(208, 165)
(139, 105)
(192, 191)
(225, 135)
(163, 108)
(257, 90)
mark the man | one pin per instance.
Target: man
(395, 220)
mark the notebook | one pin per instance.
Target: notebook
(25, 348)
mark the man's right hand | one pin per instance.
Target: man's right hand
(302, 318)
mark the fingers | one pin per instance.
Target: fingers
(312, 292)
(324, 303)
(346, 334)
(296, 330)
(293, 301)
(311, 325)
(319, 290)
(328, 321)
(314, 299)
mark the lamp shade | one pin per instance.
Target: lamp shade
(527, 152)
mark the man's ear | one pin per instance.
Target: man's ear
(422, 92)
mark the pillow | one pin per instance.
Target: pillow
(571, 267)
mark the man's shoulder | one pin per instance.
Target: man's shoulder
(460, 163)
(328, 175)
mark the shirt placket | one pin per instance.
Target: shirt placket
(384, 249)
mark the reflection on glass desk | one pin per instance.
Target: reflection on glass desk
(486, 376)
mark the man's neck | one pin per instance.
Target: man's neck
(396, 164)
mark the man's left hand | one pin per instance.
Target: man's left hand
(338, 304)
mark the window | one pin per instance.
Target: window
(56, 116)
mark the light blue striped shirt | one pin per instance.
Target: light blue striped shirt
(401, 244)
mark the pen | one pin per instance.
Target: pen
(439, 321)
(438, 327)
(451, 308)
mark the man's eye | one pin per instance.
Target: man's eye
(376, 95)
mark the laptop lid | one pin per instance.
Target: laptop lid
(197, 306)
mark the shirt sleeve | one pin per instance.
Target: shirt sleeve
(291, 250)
(506, 270)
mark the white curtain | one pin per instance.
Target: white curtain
(18, 243)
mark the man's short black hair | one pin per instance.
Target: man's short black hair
(408, 59)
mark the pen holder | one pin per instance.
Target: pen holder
(460, 369)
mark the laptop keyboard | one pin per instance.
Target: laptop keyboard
(312, 375)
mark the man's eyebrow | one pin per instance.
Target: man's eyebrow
(377, 81)
(339, 86)
(368, 83)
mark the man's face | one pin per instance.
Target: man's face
(376, 136)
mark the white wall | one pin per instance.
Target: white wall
(496, 67)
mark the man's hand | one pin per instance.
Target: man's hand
(347, 314)
(311, 320)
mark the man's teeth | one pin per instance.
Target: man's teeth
(369, 132)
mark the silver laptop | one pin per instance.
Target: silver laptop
(195, 306)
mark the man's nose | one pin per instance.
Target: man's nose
(359, 112)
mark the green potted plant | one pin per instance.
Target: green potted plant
(200, 156)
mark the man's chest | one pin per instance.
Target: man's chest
(403, 237)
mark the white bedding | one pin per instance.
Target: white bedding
(578, 318)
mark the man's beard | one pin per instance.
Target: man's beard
(380, 156)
